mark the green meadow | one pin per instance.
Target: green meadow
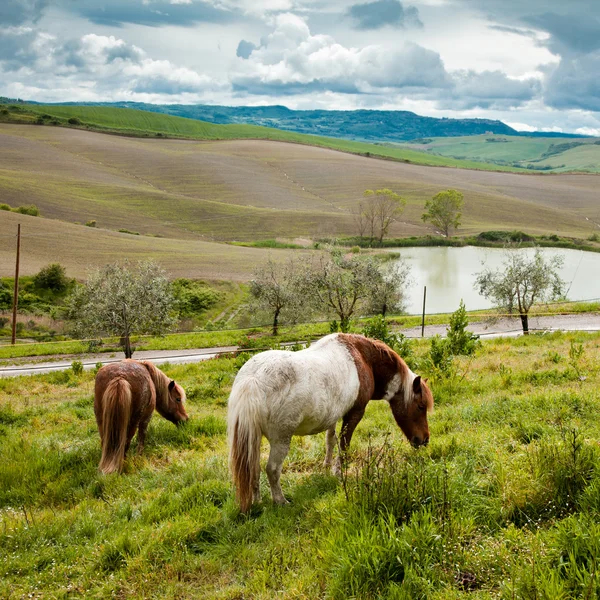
(504, 503)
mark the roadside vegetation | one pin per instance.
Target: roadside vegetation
(502, 504)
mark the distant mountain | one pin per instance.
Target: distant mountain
(365, 125)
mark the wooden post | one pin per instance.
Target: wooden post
(423, 319)
(16, 292)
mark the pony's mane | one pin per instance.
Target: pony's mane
(407, 376)
(160, 381)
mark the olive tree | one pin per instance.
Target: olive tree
(349, 286)
(522, 281)
(123, 300)
(275, 288)
(444, 210)
(388, 293)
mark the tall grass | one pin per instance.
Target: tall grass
(504, 503)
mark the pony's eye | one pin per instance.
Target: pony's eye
(177, 399)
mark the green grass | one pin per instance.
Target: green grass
(502, 504)
(558, 155)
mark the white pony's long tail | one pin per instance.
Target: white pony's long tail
(244, 435)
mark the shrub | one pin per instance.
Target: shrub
(91, 223)
(378, 328)
(31, 210)
(193, 298)
(77, 367)
(461, 341)
(74, 121)
(4, 207)
(52, 277)
(594, 238)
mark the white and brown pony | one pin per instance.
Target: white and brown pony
(280, 394)
(125, 396)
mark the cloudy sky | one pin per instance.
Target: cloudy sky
(535, 64)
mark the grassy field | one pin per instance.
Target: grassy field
(557, 155)
(502, 504)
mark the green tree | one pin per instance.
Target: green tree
(378, 211)
(522, 281)
(123, 300)
(276, 288)
(444, 210)
(460, 340)
(388, 292)
(52, 277)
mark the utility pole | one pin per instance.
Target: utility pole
(16, 294)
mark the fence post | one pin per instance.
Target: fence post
(423, 319)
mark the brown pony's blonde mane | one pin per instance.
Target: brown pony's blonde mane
(161, 383)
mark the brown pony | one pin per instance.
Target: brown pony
(125, 395)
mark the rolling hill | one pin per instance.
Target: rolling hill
(534, 153)
(185, 198)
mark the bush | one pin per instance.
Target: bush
(192, 298)
(74, 121)
(505, 236)
(31, 210)
(378, 328)
(91, 223)
(52, 277)
(4, 207)
(77, 367)
(461, 341)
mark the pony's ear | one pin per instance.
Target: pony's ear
(417, 384)
(171, 385)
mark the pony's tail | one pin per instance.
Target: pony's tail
(244, 434)
(116, 412)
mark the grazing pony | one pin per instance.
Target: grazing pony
(125, 395)
(280, 394)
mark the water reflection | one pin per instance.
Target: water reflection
(449, 274)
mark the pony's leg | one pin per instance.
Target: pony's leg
(141, 436)
(279, 450)
(351, 420)
(256, 491)
(330, 444)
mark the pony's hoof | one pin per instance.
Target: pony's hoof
(281, 501)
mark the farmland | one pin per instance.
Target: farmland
(502, 504)
(185, 198)
(550, 154)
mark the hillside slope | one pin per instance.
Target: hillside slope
(189, 192)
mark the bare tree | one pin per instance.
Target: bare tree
(444, 210)
(381, 209)
(275, 288)
(123, 300)
(522, 281)
(361, 220)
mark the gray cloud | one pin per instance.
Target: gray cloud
(17, 12)
(152, 13)
(578, 33)
(378, 14)
(574, 84)
(244, 49)
(17, 48)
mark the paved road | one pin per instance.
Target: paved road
(502, 327)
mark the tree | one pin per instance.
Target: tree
(123, 300)
(342, 285)
(52, 277)
(444, 210)
(275, 288)
(521, 281)
(388, 293)
(459, 339)
(380, 209)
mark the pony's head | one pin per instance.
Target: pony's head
(174, 408)
(410, 407)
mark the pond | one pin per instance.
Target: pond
(449, 274)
